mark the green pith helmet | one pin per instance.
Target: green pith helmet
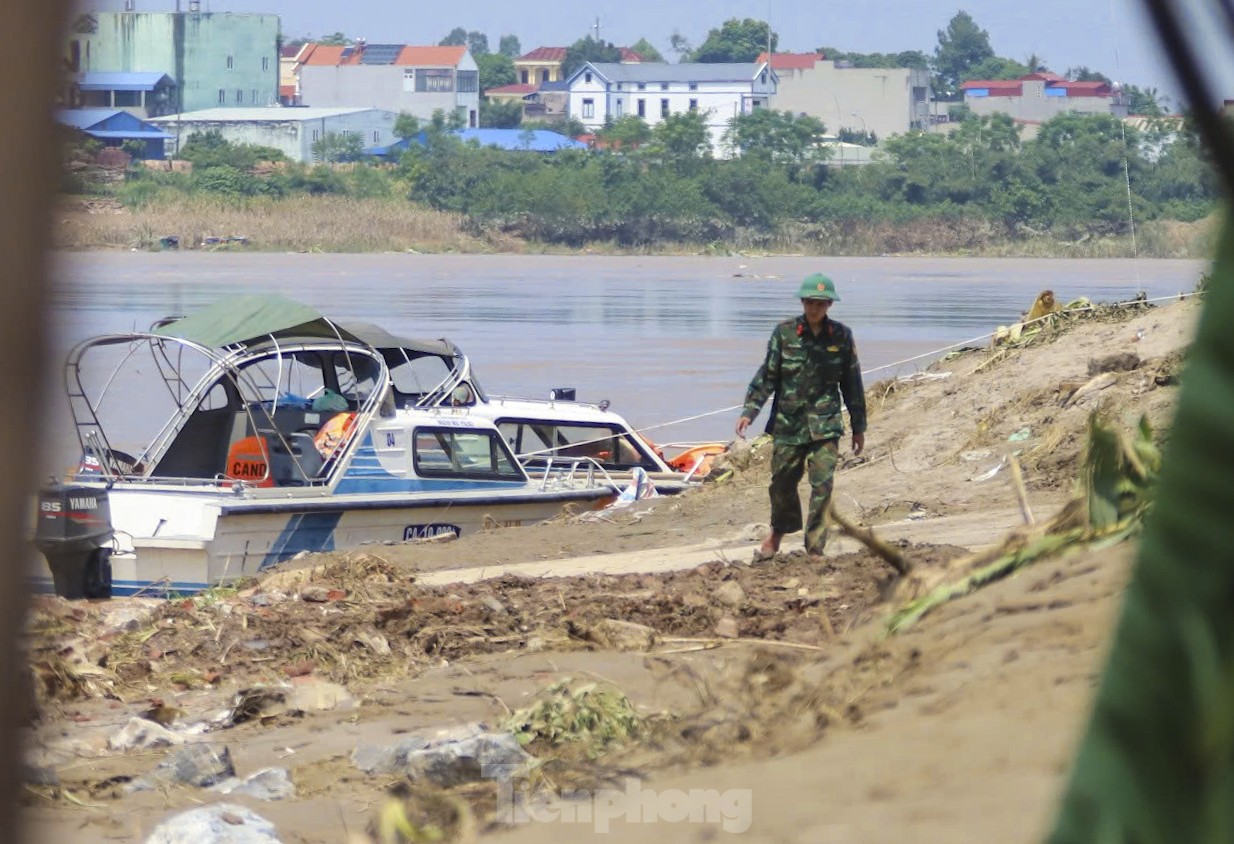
(818, 286)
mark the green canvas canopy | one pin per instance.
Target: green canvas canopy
(381, 339)
(252, 317)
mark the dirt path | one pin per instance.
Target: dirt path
(771, 684)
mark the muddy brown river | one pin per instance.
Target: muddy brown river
(662, 338)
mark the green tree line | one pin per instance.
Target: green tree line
(664, 185)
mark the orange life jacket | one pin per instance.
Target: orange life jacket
(331, 436)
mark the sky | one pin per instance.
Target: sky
(1111, 36)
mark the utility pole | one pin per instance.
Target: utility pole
(596, 27)
(769, 33)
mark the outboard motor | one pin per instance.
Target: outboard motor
(74, 533)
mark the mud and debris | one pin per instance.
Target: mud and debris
(694, 667)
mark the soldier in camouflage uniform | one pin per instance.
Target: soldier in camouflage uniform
(811, 362)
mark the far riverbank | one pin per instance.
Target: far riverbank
(347, 225)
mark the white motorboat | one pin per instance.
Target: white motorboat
(543, 433)
(284, 433)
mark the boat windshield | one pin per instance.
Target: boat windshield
(413, 378)
(536, 440)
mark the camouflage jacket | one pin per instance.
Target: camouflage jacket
(808, 375)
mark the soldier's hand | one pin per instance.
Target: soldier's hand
(859, 443)
(742, 424)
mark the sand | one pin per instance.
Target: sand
(771, 686)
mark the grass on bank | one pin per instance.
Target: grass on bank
(331, 223)
(303, 224)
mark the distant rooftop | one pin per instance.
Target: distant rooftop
(688, 72)
(519, 89)
(108, 123)
(792, 61)
(544, 54)
(382, 54)
(84, 118)
(558, 54)
(536, 140)
(107, 80)
(247, 115)
(1053, 82)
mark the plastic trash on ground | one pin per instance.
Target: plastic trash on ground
(640, 487)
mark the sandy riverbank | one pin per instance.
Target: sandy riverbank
(772, 683)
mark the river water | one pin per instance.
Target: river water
(662, 338)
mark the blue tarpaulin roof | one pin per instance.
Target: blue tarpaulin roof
(108, 80)
(84, 118)
(109, 123)
(537, 140)
(123, 133)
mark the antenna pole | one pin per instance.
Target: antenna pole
(768, 32)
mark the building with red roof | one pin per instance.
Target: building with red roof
(394, 77)
(1036, 97)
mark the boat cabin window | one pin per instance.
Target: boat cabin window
(538, 440)
(455, 453)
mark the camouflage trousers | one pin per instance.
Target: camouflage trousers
(788, 463)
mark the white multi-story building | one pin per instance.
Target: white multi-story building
(653, 91)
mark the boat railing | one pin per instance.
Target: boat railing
(574, 473)
(501, 400)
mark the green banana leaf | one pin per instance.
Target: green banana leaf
(1156, 765)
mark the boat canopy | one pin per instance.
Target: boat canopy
(379, 338)
(243, 320)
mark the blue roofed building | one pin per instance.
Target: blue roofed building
(143, 93)
(526, 140)
(113, 126)
(533, 140)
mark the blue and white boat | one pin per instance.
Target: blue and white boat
(544, 434)
(283, 432)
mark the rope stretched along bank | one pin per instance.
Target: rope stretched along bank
(933, 354)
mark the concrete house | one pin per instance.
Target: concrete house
(112, 127)
(394, 77)
(214, 58)
(544, 101)
(141, 93)
(1039, 96)
(543, 64)
(653, 91)
(883, 100)
(291, 130)
(290, 59)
